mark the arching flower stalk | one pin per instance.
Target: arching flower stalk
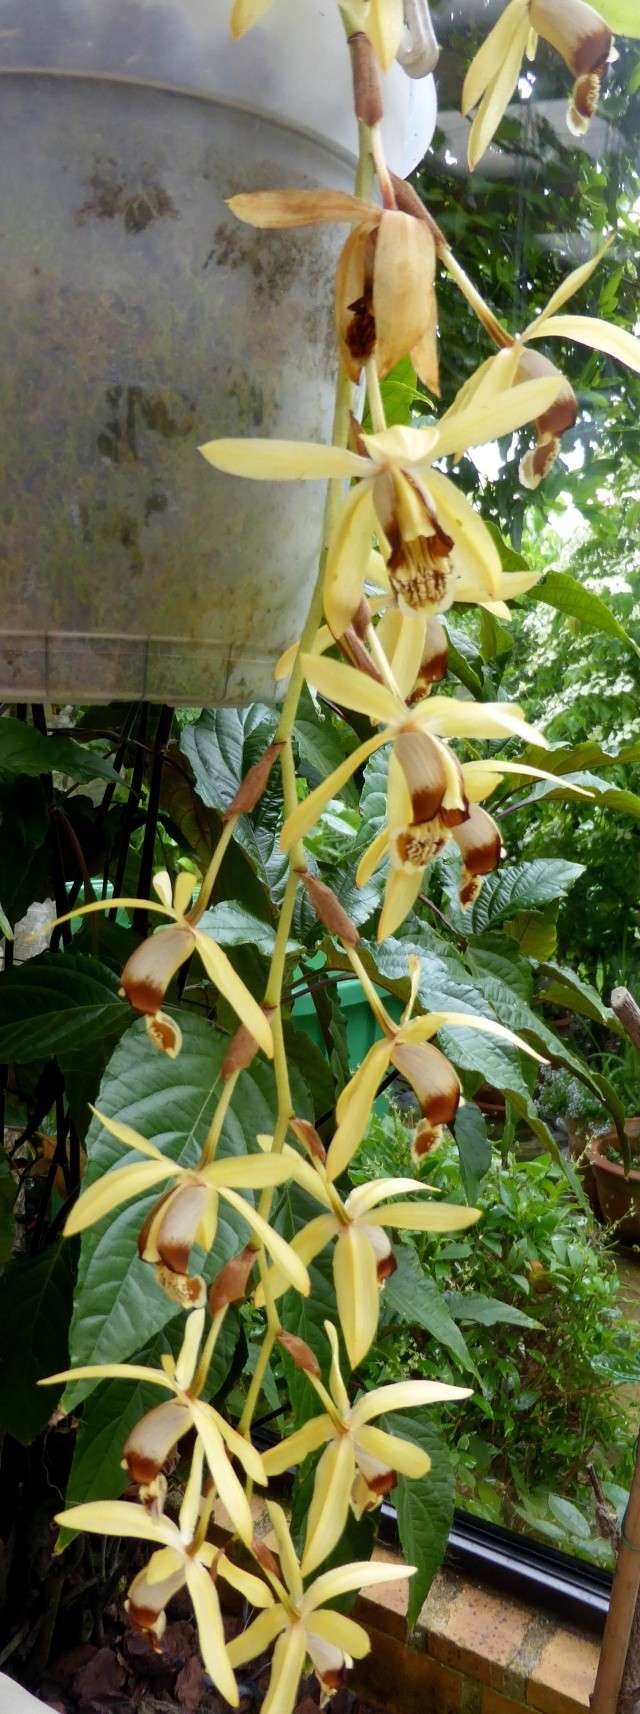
(187, 1213)
(360, 1464)
(573, 28)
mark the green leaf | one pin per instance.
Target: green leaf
(493, 954)
(536, 932)
(7, 1199)
(563, 592)
(399, 390)
(114, 1408)
(519, 887)
(60, 1002)
(24, 750)
(231, 925)
(565, 989)
(474, 1148)
(621, 16)
(568, 1515)
(170, 1102)
(424, 1507)
(35, 1306)
(618, 798)
(323, 746)
(488, 1311)
(412, 1296)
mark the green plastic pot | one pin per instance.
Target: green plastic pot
(362, 1029)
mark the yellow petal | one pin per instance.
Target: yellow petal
(425, 1217)
(307, 1244)
(400, 895)
(245, 13)
(108, 905)
(474, 556)
(393, 1452)
(329, 1507)
(188, 1355)
(340, 1631)
(384, 27)
(297, 1446)
(284, 208)
(367, 1196)
(150, 969)
(119, 1518)
(472, 1021)
(126, 1134)
(220, 969)
(400, 1395)
(372, 858)
(113, 1189)
(351, 688)
(304, 817)
(183, 892)
(338, 1390)
(282, 461)
(362, 1574)
(403, 638)
(598, 335)
(206, 1607)
(286, 1551)
(491, 54)
(161, 884)
(108, 1372)
(250, 1172)
(348, 558)
(401, 445)
(482, 778)
(452, 718)
(284, 1255)
(257, 1636)
(165, 1563)
(403, 290)
(357, 1291)
(229, 1488)
(354, 1108)
(498, 415)
(573, 283)
(498, 93)
(253, 1588)
(286, 1671)
(242, 1449)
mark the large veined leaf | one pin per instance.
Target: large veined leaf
(171, 1102)
(535, 932)
(323, 746)
(412, 1296)
(519, 887)
(231, 925)
(447, 986)
(474, 1148)
(494, 954)
(487, 1311)
(565, 989)
(115, 1407)
(221, 747)
(424, 1507)
(35, 1306)
(24, 750)
(563, 592)
(58, 1003)
(618, 798)
(373, 797)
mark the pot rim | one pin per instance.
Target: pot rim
(600, 1161)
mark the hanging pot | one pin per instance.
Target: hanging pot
(138, 318)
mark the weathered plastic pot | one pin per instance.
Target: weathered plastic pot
(139, 318)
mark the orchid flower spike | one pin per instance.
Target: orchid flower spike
(433, 542)
(573, 28)
(385, 291)
(305, 1627)
(149, 970)
(159, 1431)
(183, 1556)
(360, 1464)
(188, 1212)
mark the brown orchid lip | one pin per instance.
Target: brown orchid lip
(386, 1266)
(361, 332)
(382, 1484)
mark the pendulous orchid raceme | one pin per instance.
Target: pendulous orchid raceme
(517, 363)
(304, 1626)
(432, 773)
(573, 28)
(360, 1464)
(385, 293)
(153, 1439)
(188, 1213)
(183, 1556)
(381, 20)
(433, 542)
(149, 970)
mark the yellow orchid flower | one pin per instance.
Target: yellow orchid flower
(188, 1213)
(573, 28)
(411, 844)
(183, 1556)
(304, 1626)
(433, 541)
(360, 1464)
(516, 363)
(385, 294)
(381, 20)
(416, 732)
(149, 970)
(158, 1432)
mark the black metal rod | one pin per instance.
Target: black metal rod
(163, 734)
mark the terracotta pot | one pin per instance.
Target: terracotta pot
(138, 319)
(619, 1197)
